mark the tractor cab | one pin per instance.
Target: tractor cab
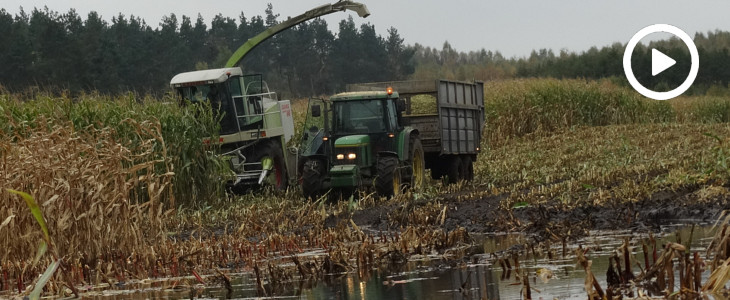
(367, 115)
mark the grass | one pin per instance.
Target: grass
(128, 188)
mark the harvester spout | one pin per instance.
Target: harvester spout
(357, 7)
(319, 11)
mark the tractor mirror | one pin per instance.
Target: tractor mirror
(401, 105)
(316, 111)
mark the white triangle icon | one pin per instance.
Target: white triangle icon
(660, 62)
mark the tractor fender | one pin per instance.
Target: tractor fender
(404, 139)
(387, 153)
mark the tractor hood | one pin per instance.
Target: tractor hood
(204, 77)
(352, 141)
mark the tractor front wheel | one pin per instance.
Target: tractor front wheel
(313, 173)
(388, 180)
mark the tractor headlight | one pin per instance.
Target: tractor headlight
(351, 156)
(340, 156)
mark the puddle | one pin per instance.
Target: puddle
(427, 277)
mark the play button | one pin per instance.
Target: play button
(660, 62)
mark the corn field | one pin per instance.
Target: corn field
(128, 190)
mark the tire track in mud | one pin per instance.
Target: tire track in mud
(688, 204)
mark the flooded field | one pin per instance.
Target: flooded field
(552, 273)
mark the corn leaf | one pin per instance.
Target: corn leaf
(35, 210)
(42, 248)
(38, 289)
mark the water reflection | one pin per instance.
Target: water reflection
(479, 276)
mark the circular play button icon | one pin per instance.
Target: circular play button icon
(661, 62)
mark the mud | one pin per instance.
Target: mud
(551, 220)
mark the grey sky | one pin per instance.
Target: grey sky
(513, 27)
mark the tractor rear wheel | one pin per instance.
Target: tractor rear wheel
(313, 173)
(388, 179)
(418, 165)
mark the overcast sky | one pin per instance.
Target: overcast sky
(513, 27)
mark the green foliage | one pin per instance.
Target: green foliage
(38, 216)
(706, 109)
(520, 107)
(198, 173)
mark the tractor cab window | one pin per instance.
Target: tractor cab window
(360, 117)
(392, 115)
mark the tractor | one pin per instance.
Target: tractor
(371, 136)
(357, 139)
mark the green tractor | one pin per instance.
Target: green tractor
(376, 137)
(357, 139)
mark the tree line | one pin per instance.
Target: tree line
(48, 49)
(595, 63)
(64, 51)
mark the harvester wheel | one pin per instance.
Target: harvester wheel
(277, 177)
(418, 165)
(468, 168)
(454, 169)
(388, 179)
(312, 176)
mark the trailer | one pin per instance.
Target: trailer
(448, 117)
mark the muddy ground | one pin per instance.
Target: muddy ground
(555, 220)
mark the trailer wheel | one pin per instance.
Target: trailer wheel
(388, 179)
(312, 176)
(418, 165)
(437, 170)
(454, 169)
(277, 177)
(468, 168)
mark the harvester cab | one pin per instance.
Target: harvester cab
(254, 125)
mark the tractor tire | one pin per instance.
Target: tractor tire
(313, 173)
(388, 179)
(454, 169)
(468, 168)
(417, 165)
(277, 177)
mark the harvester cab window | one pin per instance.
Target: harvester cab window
(254, 91)
(239, 101)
